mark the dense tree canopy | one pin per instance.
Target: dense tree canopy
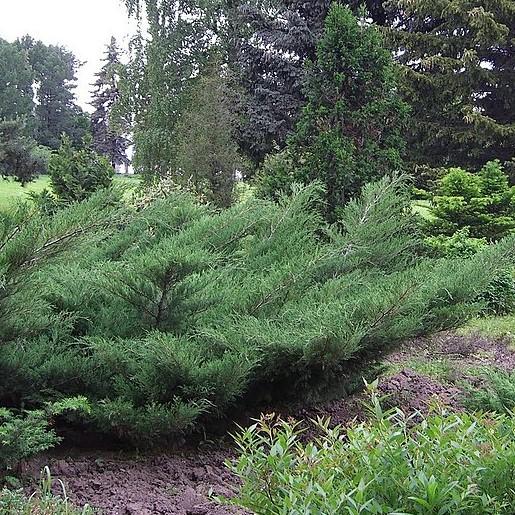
(274, 40)
(20, 157)
(456, 58)
(16, 80)
(350, 131)
(163, 64)
(207, 152)
(54, 74)
(459, 63)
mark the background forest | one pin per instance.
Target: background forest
(319, 182)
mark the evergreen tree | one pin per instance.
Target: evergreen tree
(459, 62)
(54, 70)
(481, 204)
(350, 131)
(16, 79)
(274, 41)
(77, 173)
(107, 138)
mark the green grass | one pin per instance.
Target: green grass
(441, 369)
(11, 191)
(495, 327)
(43, 502)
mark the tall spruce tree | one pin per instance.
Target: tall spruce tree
(458, 58)
(350, 131)
(274, 41)
(108, 139)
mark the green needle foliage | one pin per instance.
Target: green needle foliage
(77, 173)
(350, 131)
(494, 392)
(481, 203)
(458, 64)
(174, 314)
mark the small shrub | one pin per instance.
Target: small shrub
(45, 201)
(20, 157)
(445, 464)
(23, 435)
(499, 296)
(77, 173)
(483, 202)
(496, 392)
(460, 244)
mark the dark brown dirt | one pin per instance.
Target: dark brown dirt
(413, 392)
(182, 482)
(463, 351)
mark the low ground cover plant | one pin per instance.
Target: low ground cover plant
(42, 502)
(445, 464)
(169, 315)
(494, 392)
(26, 433)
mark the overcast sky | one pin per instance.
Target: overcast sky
(83, 26)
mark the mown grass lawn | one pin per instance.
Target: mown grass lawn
(11, 191)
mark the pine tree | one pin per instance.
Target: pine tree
(350, 132)
(107, 138)
(458, 57)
